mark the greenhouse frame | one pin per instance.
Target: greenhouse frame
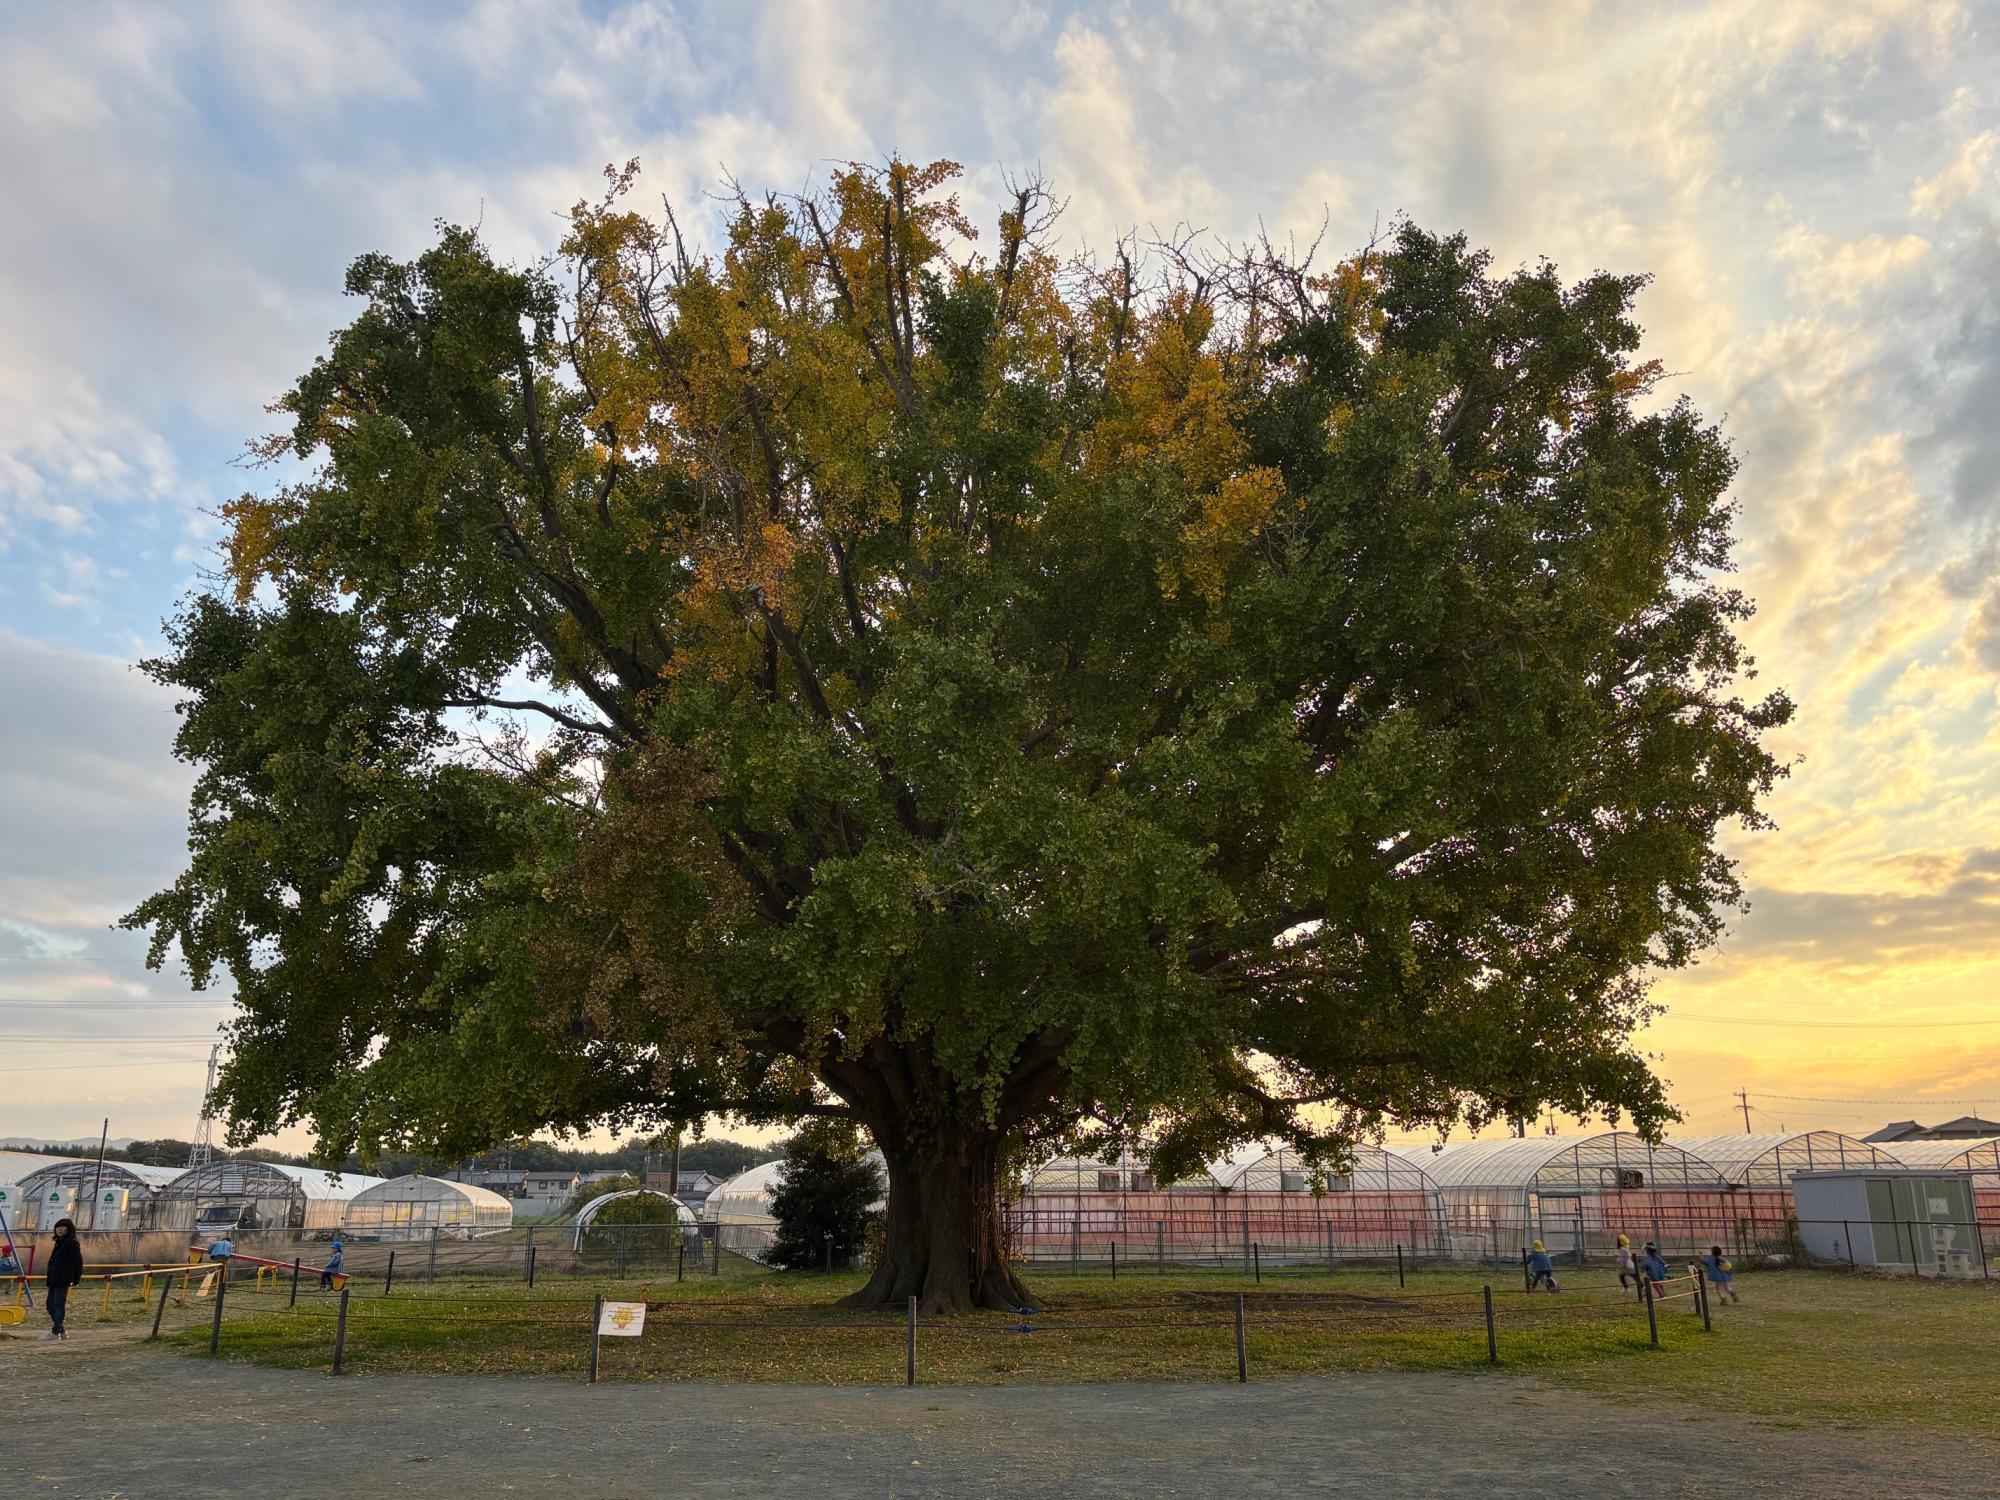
(413, 1207)
(299, 1199)
(1264, 1205)
(135, 1185)
(740, 1211)
(1980, 1158)
(1577, 1195)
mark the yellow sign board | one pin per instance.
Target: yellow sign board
(622, 1319)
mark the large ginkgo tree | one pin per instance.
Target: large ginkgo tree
(874, 670)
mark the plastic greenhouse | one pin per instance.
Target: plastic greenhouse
(123, 1195)
(1980, 1158)
(265, 1196)
(740, 1210)
(1771, 1161)
(1577, 1194)
(407, 1208)
(1262, 1204)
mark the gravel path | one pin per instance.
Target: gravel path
(140, 1424)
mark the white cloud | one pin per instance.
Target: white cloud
(1958, 179)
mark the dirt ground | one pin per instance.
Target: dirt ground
(138, 1423)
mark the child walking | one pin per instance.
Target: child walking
(1628, 1268)
(1541, 1269)
(1721, 1274)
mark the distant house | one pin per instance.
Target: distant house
(1964, 1128)
(506, 1184)
(693, 1188)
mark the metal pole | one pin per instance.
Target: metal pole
(1160, 1245)
(1527, 1276)
(1847, 1236)
(1114, 1260)
(624, 1246)
(531, 1266)
(1075, 1243)
(596, 1318)
(166, 1284)
(716, 1269)
(1399, 1265)
(215, 1328)
(431, 1271)
(1492, 1337)
(1652, 1315)
(1242, 1355)
(390, 1279)
(681, 1261)
(910, 1348)
(340, 1330)
(1701, 1298)
(1257, 1262)
(295, 1283)
(98, 1186)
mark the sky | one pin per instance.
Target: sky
(1815, 189)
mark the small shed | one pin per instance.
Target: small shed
(1906, 1220)
(405, 1208)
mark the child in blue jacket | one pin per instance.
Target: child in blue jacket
(1541, 1269)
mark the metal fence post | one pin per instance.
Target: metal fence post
(910, 1348)
(1847, 1238)
(531, 1267)
(624, 1248)
(1399, 1265)
(295, 1283)
(221, 1290)
(1246, 1239)
(1652, 1315)
(1701, 1298)
(1075, 1243)
(431, 1269)
(1257, 1262)
(1492, 1336)
(680, 1261)
(596, 1318)
(389, 1279)
(1242, 1354)
(1114, 1260)
(166, 1285)
(1160, 1245)
(716, 1269)
(340, 1331)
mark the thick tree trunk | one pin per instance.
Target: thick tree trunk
(943, 1244)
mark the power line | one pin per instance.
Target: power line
(1688, 1015)
(101, 1036)
(161, 1062)
(1913, 1103)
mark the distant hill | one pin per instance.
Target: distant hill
(69, 1148)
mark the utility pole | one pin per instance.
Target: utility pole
(97, 1187)
(1743, 1097)
(204, 1145)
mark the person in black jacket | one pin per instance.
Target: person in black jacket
(65, 1270)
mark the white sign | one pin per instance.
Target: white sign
(622, 1319)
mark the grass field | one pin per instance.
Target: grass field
(1804, 1347)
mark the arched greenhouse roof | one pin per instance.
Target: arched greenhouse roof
(1982, 1157)
(587, 1215)
(1371, 1169)
(747, 1195)
(1771, 1159)
(128, 1174)
(1078, 1174)
(421, 1187)
(1549, 1163)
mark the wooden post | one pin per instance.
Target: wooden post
(390, 1279)
(1114, 1260)
(680, 1262)
(531, 1266)
(1492, 1336)
(1701, 1298)
(910, 1351)
(295, 1283)
(1257, 1261)
(1399, 1265)
(340, 1331)
(215, 1328)
(1652, 1315)
(596, 1317)
(1242, 1353)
